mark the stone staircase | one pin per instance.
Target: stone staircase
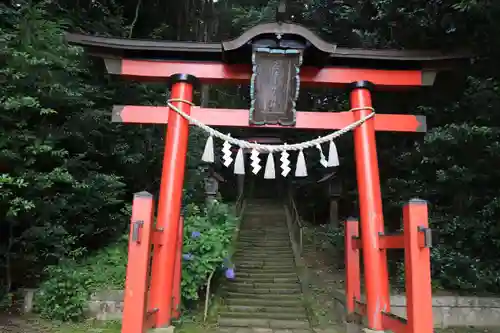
(266, 292)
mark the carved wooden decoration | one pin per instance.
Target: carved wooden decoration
(275, 86)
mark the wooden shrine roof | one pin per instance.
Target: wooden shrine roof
(317, 52)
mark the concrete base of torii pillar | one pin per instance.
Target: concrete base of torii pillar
(169, 329)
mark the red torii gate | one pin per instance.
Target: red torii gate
(320, 64)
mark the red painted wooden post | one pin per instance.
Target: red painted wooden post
(169, 204)
(417, 268)
(353, 278)
(370, 205)
(176, 313)
(139, 252)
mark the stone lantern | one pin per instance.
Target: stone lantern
(212, 181)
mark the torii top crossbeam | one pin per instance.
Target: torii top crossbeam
(321, 64)
(276, 59)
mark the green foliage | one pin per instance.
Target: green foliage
(461, 186)
(205, 253)
(65, 170)
(333, 235)
(63, 296)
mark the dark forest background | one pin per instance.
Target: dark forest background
(67, 173)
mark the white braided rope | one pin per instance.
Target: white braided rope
(269, 148)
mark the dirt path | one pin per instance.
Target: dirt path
(12, 323)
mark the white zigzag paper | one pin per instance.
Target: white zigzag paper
(285, 163)
(254, 157)
(322, 158)
(226, 150)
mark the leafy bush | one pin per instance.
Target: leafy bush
(207, 238)
(64, 294)
(207, 241)
(334, 235)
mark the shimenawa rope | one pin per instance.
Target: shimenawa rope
(269, 148)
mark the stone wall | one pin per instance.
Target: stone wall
(106, 305)
(448, 311)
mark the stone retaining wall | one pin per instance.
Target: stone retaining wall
(448, 311)
(106, 305)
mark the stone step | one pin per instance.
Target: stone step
(264, 211)
(264, 251)
(266, 275)
(264, 264)
(265, 228)
(268, 202)
(269, 229)
(266, 206)
(263, 242)
(263, 239)
(284, 297)
(264, 291)
(282, 233)
(263, 323)
(284, 267)
(265, 285)
(258, 231)
(267, 220)
(266, 279)
(266, 267)
(268, 245)
(269, 270)
(264, 315)
(262, 214)
(256, 310)
(262, 254)
(270, 261)
(280, 302)
(254, 253)
(255, 221)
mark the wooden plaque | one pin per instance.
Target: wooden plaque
(275, 86)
